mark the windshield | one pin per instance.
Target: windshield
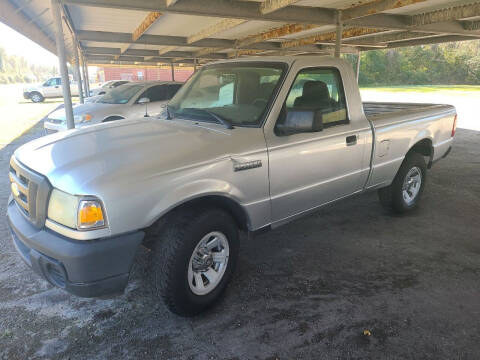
(121, 94)
(237, 92)
(107, 84)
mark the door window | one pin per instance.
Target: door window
(319, 90)
(172, 90)
(50, 82)
(156, 93)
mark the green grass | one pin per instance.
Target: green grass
(18, 114)
(424, 88)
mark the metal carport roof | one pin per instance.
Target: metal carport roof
(155, 32)
(179, 31)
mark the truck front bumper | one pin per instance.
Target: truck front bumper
(26, 95)
(89, 268)
(51, 127)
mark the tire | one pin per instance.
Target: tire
(36, 97)
(173, 278)
(393, 196)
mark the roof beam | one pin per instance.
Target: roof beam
(274, 33)
(427, 41)
(163, 40)
(247, 10)
(331, 36)
(269, 6)
(128, 61)
(17, 20)
(383, 38)
(166, 49)
(220, 26)
(402, 22)
(389, 37)
(145, 24)
(170, 2)
(375, 7)
(447, 14)
(147, 53)
(117, 58)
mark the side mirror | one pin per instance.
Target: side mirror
(300, 121)
(144, 100)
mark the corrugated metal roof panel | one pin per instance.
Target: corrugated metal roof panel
(106, 19)
(180, 25)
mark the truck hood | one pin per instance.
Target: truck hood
(31, 87)
(80, 109)
(79, 161)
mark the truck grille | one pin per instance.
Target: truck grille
(30, 191)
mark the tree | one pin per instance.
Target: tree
(16, 69)
(449, 63)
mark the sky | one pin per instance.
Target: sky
(16, 44)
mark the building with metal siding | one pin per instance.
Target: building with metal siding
(139, 73)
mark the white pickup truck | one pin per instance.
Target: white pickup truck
(52, 88)
(246, 144)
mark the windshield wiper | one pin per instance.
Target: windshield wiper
(217, 117)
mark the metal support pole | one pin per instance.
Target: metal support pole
(62, 59)
(77, 74)
(87, 78)
(195, 65)
(358, 65)
(173, 71)
(84, 77)
(338, 37)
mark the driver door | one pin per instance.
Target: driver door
(52, 88)
(308, 169)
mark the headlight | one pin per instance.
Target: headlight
(62, 208)
(82, 118)
(75, 212)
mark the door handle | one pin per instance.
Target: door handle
(351, 140)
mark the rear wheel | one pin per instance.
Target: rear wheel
(406, 189)
(36, 97)
(193, 259)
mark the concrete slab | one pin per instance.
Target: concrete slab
(307, 290)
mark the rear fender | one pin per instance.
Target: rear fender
(424, 142)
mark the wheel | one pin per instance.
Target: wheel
(36, 97)
(193, 259)
(407, 187)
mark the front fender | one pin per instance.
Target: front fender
(191, 191)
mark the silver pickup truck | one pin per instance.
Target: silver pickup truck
(247, 144)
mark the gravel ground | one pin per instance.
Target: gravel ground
(307, 290)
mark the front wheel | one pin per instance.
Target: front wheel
(193, 259)
(36, 97)
(406, 189)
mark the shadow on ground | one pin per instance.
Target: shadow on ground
(307, 290)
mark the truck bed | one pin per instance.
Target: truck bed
(372, 109)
